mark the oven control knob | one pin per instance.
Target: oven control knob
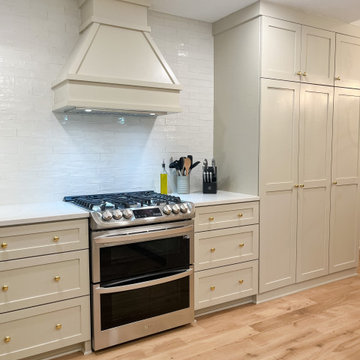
(167, 210)
(117, 214)
(176, 209)
(127, 213)
(183, 208)
(107, 215)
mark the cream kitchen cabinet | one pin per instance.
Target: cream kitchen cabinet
(293, 139)
(226, 253)
(347, 73)
(344, 230)
(294, 182)
(298, 53)
(44, 280)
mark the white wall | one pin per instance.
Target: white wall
(43, 158)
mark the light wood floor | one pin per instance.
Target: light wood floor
(321, 323)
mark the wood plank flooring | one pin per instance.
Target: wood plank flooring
(320, 323)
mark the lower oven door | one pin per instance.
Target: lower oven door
(126, 312)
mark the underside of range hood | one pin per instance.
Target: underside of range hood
(116, 66)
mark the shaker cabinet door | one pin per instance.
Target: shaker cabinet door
(316, 104)
(281, 46)
(344, 221)
(347, 73)
(278, 175)
(317, 56)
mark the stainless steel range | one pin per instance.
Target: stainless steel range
(141, 264)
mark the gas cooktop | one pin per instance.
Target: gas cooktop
(132, 208)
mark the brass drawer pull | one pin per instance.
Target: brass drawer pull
(241, 281)
(212, 250)
(299, 73)
(241, 245)
(337, 78)
(7, 339)
(240, 215)
(296, 185)
(335, 182)
(301, 185)
(5, 288)
(56, 238)
(212, 288)
(304, 73)
(4, 245)
(58, 326)
(211, 218)
(57, 278)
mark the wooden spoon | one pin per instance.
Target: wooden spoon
(187, 164)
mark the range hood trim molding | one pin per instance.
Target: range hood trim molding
(67, 107)
(114, 81)
(120, 24)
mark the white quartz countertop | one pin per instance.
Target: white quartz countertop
(39, 212)
(220, 198)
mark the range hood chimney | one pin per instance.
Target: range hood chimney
(116, 66)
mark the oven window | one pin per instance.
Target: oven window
(125, 307)
(131, 260)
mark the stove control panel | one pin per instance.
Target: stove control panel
(112, 218)
(144, 213)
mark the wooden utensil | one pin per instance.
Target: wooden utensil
(187, 164)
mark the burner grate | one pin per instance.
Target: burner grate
(122, 200)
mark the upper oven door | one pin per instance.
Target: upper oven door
(123, 254)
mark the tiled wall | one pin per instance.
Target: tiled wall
(44, 157)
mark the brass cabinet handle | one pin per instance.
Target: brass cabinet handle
(211, 218)
(240, 215)
(212, 288)
(337, 78)
(301, 185)
(4, 245)
(5, 288)
(296, 185)
(299, 73)
(335, 182)
(57, 278)
(241, 245)
(58, 326)
(304, 73)
(241, 281)
(56, 238)
(7, 339)
(212, 250)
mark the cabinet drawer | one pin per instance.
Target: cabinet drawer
(44, 328)
(43, 279)
(216, 286)
(226, 246)
(40, 239)
(223, 216)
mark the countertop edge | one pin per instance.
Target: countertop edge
(42, 219)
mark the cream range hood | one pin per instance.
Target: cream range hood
(116, 66)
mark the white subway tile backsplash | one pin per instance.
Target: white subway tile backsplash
(44, 157)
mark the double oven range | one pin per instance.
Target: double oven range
(141, 246)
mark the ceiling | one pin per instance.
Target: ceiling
(212, 10)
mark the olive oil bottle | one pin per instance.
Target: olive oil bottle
(163, 179)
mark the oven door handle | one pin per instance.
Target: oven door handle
(115, 289)
(141, 237)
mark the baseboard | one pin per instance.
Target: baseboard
(294, 288)
(224, 306)
(84, 347)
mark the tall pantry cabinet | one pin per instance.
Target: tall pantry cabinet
(286, 130)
